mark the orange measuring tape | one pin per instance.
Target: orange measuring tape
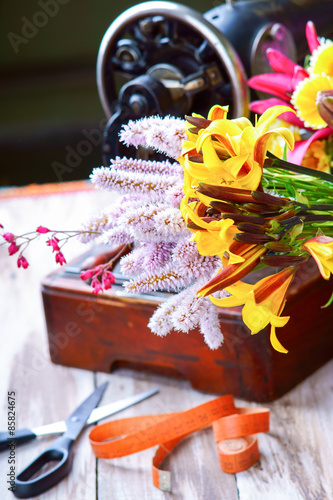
(234, 431)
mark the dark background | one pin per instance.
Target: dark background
(49, 99)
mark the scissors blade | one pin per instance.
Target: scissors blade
(112, 408)
(78, 419)
(97, 414)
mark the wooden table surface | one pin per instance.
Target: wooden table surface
(296, 455)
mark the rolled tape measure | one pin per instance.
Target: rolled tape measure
(234, 431)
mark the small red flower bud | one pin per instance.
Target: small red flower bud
(22, 262)
(9, 237)
(13, 248)
(86, 275)
(42, 230)
(53, 242)
(59, 258)
(106, 283)
(97, 287)
(110, 277)
(1, 226)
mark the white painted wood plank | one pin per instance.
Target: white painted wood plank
(44, 392)
(193, 464)
(297, 453)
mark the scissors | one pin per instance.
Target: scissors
(28, 483)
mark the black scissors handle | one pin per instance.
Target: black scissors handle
(21, 436)
(60, 451)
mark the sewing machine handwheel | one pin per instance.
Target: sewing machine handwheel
(176, 46)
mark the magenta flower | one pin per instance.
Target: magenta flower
(108, 279)
(87, 275)
(22, 262)
(9, 237)
(53, 242)
(97, 287)
(13, 248)
(59, 258)
(42, 230)
(284, 81)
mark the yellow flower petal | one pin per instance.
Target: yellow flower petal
(268, 117)
(218, 112)
(321, 60)
(304, 99)
(262, 143)
(275, 342)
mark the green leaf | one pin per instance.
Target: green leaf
(329, 302)
(296, 231)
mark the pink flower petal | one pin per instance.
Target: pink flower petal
(311, 36)
(261, 106)
(273, 83)
(296, 156)
(279, 62)
(299, 75)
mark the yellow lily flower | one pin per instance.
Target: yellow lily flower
(216, 236)
(232, 273)
(263, 303)
(321, 249)
(232, 152)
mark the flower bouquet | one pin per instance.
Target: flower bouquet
(221, 206)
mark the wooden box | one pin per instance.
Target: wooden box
(104, 332)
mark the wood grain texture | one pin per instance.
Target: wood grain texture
(194, 466)
(296, 455)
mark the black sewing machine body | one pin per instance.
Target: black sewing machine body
(166, 58)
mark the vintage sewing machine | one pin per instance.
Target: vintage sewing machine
(165, 58)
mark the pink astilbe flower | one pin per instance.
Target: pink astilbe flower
(156, 255)
(162, 134)
(170, 224)
(94, 227)
(155, 223)
(148, 257)
(134, 132)
(160, 323)
(187, 317)
(117, 236)
(186, 256)
(133, 263)
(166, 279)
(151, 185)
(148, 166)
(184, 312)
(139, 222)
(174, 196)
(210, 326)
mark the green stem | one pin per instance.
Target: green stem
(285, 165)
